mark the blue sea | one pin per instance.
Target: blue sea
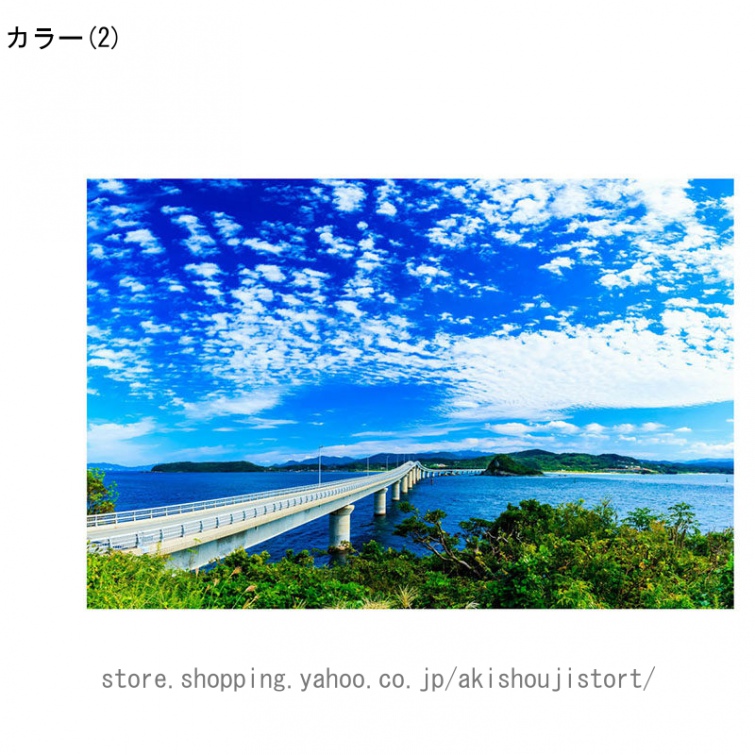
(461, 497)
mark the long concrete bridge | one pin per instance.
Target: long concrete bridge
(194, 534)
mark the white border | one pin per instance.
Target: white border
(341, 89)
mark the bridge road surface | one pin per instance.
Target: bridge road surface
(264, 513)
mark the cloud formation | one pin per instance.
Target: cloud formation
(494, 303)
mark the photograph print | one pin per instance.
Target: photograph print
(410, 393)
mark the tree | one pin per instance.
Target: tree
(101, 498)
(682, 522)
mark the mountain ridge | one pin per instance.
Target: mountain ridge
(545, 461)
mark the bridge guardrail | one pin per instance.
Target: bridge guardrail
(135, 515)
(302, 495)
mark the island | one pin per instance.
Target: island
(208, 466)
(502, 465)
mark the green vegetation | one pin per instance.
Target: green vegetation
(532, 556)
(502, 465)
(101, 498)
(122, 580)
(575, 462)
(208, 466)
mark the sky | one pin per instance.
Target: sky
(270, 320)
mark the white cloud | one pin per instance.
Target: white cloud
(633, 276)
(426, 270)
(429, 274)
(249, 404)
(151, 327)
(619, 364)
(369, 261)
(117, 210)
(573, 199)
(701, 450)
(348, 197)
(172, 210)
(557, 264)
(335, 245)
(510, 428)
(522, 429)
(206, 272)
(264, 246)
(227, 227)
(508, 237)
(173, 285)
(350, 307)
(114, 443)
(112, 186)
(132, 284)
(530, 210)
(271, 272)
(697, 328)
(204, 269)
(267, 424)
(145, 239)
(199, 243)
(562, 427)
(386, 208)
(651, 427)
(463, 227)
(595, 428)
(309, 278)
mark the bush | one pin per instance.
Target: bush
(531, 556)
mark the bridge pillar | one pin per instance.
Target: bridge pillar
(380, 502)
(339, 529)
(396, 491)
(405, 484)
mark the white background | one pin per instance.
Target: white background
(342, 89)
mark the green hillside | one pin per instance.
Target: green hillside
(503, 465)
(577, 462)
(208, 466)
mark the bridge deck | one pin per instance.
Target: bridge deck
(212, 529)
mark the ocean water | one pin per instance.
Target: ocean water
(461, 497)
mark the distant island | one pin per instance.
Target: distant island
(531, 462)
(578, 462)
(209, 466)
(503, 465)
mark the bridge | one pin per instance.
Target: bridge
(195, 534)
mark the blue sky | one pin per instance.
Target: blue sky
(263, 319)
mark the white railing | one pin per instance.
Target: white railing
(278, 500)
(119, 517)
(450, 470)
